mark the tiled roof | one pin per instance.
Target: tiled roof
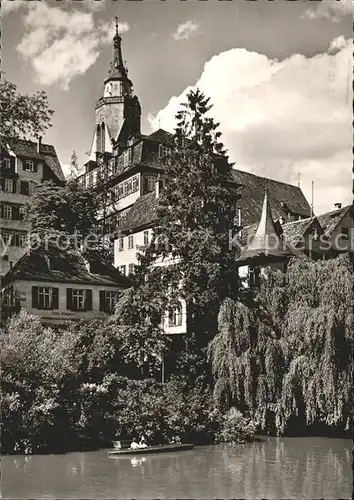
(161, 136)
(142, 214)
(283, 198)
(29, 148)
(293, 232)
(330, 220)
(65, 266)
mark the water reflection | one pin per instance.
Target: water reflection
(136, 462)
(273, 468)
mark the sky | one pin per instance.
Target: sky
(278, 73)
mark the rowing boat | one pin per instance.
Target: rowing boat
(163, 448)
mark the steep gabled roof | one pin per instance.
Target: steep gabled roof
(293, 232)
(266, 244)
(330, 220)
(142, 214)
(29, 148)
(161, 136)
(65, 266)
(283, 198)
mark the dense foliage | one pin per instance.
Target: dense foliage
(75, 388)
(65, 210)
(23, 116)
(286, 358)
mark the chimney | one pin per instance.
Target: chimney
(39, 143)
(338, 205)
(158, 186)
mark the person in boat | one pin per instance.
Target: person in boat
(134, 444)
(142, 443)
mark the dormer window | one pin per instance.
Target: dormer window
(29, 166)
(164, 151)
(7, 163)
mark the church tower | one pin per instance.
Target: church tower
(118, 112)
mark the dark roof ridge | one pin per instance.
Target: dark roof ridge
(267, 178)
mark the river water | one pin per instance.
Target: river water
(274, 468)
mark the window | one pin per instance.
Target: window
(164, 151)
(135, 183)
(7, 163)
(22, 240)
(345, 233)
(108, 300)
(131, 269)
(146, 238)
(130, 241)
(149, 183)
(24, 188)
(122, 269)
(9, 296)
(7, 238)
(7, 210)
(78, 299)
(90, 180)
(120, 244)
(29, 166)
(9, 186)
(111, 168)
(127, 157)
(175, 315)
(22, 211)
(45, 297)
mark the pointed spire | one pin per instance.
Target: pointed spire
(117, 69)
(266, 242)
(266, 235)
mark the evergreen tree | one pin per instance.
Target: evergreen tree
(189, 257)
(196, 211)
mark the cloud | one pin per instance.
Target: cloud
(283, 118)
(61, 44)
(330, 9)
(186, 30)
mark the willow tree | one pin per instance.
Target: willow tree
(318, 338)
(247, 356)
(289, 359)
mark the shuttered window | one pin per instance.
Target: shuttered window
(45, 297)
(108, 300)
(78, 299)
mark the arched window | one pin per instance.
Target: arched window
(98, 139)
(103, 138)
(175, 315)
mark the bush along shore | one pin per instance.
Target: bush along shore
(59, 394)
